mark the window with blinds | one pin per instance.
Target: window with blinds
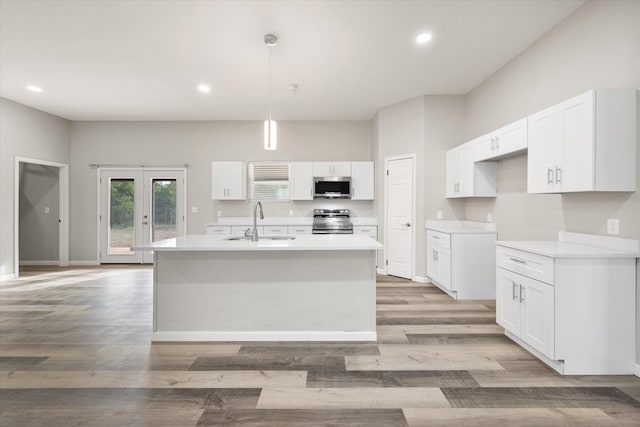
(268, 180)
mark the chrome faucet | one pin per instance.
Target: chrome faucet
(254, 237)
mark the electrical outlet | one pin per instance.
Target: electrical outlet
(194, 209)
(438, 214)
(613, 226)
(290, 212)
(47, 209)
(489, 217)
(219, 213)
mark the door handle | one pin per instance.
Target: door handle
(549, 176)
(558, 175)
(407, 224)
(513, 290)
(522, 293)
(145, 222)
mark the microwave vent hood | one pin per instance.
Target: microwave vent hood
(332, 187)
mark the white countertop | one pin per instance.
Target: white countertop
(578, 245)
(460, 227)
(314, 242)
(285, 220)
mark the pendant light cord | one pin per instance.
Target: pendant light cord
(270, 46)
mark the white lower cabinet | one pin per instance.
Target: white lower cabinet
(462, 264)
(525, 307)
(295, 230)
(577, 314)
(272, 230)
(220, 231)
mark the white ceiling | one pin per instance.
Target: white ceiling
(142, 60)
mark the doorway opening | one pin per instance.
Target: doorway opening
(41, 209)
(400, 216)
(139, 207)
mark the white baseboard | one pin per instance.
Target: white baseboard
(636, 370)
(420, 279)
(381, 271)
(7, 277)
(83, 262)
(27, 263)
(263, 336)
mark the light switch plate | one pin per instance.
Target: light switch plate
(194, 209)
(438, 214)
(47, 209)
(489, 217)
(613, 226)
(219, 213)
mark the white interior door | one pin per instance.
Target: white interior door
(399, 217)
(138, 207)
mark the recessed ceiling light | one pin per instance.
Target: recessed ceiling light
(423, 38)
(33, 88)
(204, 88)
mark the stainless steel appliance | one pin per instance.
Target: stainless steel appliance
(332, 187)
(332, 221)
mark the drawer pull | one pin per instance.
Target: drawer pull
(435, 237)
(518, 260)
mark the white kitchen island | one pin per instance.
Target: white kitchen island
(312, 288)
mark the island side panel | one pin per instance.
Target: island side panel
(281, 294)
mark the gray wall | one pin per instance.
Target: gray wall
(198, 144)
(31, 133)
(39, 190)
(596, 47)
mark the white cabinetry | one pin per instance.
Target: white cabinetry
(465, 177)
(575, 310)
(219, 230)
(367, 230)
(295, 230)
(525, 307)
(587, 143)
(331, 169)
(462, 263)
(228, 180)
(507, 140)
(362, 181)
(301, 181)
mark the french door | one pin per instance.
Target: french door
(138, 207)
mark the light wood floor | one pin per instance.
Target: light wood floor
(75, 350)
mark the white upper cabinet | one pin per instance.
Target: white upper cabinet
(507, 140)
(362, 181)
(301, 181)
(467, 178)
(229, 180)
(331, 169)
(587, 143)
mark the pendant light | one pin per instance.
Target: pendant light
(270, 126)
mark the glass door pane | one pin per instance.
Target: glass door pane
(121, 216)
(163, 209)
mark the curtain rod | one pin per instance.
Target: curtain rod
(99, 165)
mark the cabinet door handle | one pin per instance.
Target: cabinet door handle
(435, 237)
(522, 293)
(549, 175)
(435, 255)
(518, 260)
(558, 175)
(514, 288)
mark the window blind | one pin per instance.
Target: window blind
(269, 180)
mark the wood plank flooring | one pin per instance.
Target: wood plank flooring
(75, 350)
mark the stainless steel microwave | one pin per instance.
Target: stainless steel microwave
(332, 187)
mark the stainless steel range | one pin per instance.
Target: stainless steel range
(332, 221)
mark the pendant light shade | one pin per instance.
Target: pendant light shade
(270, 126)
(270, 135)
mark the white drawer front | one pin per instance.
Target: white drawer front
(219, 230)
(275, 229)
(367, 230)
(238, 230)
(299, 229)
(439, 239)
(526, 263)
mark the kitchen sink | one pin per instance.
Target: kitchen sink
(248, 238)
